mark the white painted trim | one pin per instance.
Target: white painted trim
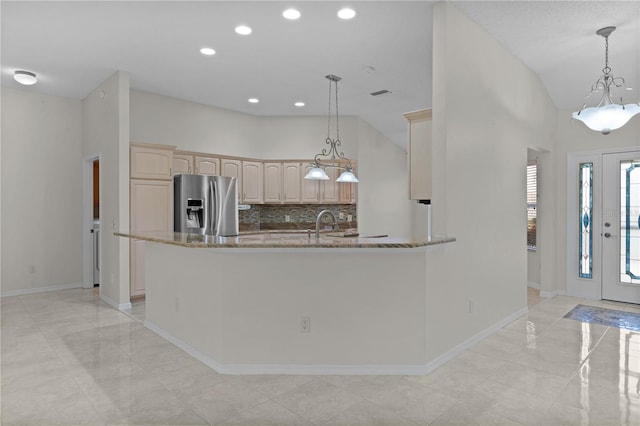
(109, 301)
(25, 291)
(473, 340)
(533, 285)
(550, 294)
(340, 369)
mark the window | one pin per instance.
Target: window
(585, 221)
(532, 204)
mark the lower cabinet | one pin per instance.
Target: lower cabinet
(151, 209)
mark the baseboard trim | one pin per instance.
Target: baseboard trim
(473, 340)
(119, 306)
(336, 369)
(550, 294)
(25, 291)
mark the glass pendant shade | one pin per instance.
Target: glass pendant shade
(348, 177)
(316, 173)
(607, 117)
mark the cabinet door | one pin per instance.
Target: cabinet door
(232, 168)
(252, 182)
(310, 190)
(151, 209)
(182, 164)
(291, 182)
(272, 182)
(207, 166)
(419, 150)
(150, 163)
(330, 190)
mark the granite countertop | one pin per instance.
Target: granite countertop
(283, 239)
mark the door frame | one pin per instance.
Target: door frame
(87, 218)
(585, 287)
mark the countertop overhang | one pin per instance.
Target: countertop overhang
(283, 239)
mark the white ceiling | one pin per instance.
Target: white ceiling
(74, 46)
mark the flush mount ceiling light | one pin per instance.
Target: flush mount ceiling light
(207, 51)
(607, 115)
(335, 159)
(346, 13)
(299, 104)
(25, 77)
(253, 100)
(243, 30)
(291, 14)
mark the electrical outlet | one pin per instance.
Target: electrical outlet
(349, 218)
(341, 215)
(287, 218)
(305, 325)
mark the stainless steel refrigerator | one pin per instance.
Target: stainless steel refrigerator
(206, 205)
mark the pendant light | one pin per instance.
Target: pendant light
(334, 156)
(607, 115)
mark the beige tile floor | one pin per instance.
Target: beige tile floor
(69, 359)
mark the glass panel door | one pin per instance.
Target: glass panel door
(621, 227)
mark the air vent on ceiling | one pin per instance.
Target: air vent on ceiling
(380, 92)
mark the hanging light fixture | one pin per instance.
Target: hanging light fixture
(607, 115)
(334, 157)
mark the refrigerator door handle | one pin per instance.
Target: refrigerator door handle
(212, 207)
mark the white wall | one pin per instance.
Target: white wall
(383, 205)
(573, 136)
(105, 130)
(41, 191)
(488, 108)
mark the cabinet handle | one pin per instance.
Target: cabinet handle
(170, 171)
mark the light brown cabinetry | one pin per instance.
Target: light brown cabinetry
(419, 150)
(252, 182)
(150, 161)
(205, 165)
(272, 182)
(348, 190)
(150, 210)
(291, 182)
(150, 201)
(182, 164)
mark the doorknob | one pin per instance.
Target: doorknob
(608, 235)
(607, 224)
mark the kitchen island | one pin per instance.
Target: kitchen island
(291, 303)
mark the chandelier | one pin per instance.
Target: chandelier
(334, 158)
(607, 115)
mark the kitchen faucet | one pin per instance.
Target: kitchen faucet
(320, 215)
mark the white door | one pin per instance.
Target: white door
(620, 227)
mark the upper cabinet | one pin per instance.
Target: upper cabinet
(419, 148)
(151, 161)
(291, 182)
(232, 168)
(182, 164)
(272, 182)
(252, 182)
(205, 165)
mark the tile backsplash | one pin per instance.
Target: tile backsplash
(301, 216)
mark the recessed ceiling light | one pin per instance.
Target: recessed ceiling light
(243, 30)
(346, 13)
(299, 104)
(207, 51)
(25, 77)
(291, 14)
(253, 100)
